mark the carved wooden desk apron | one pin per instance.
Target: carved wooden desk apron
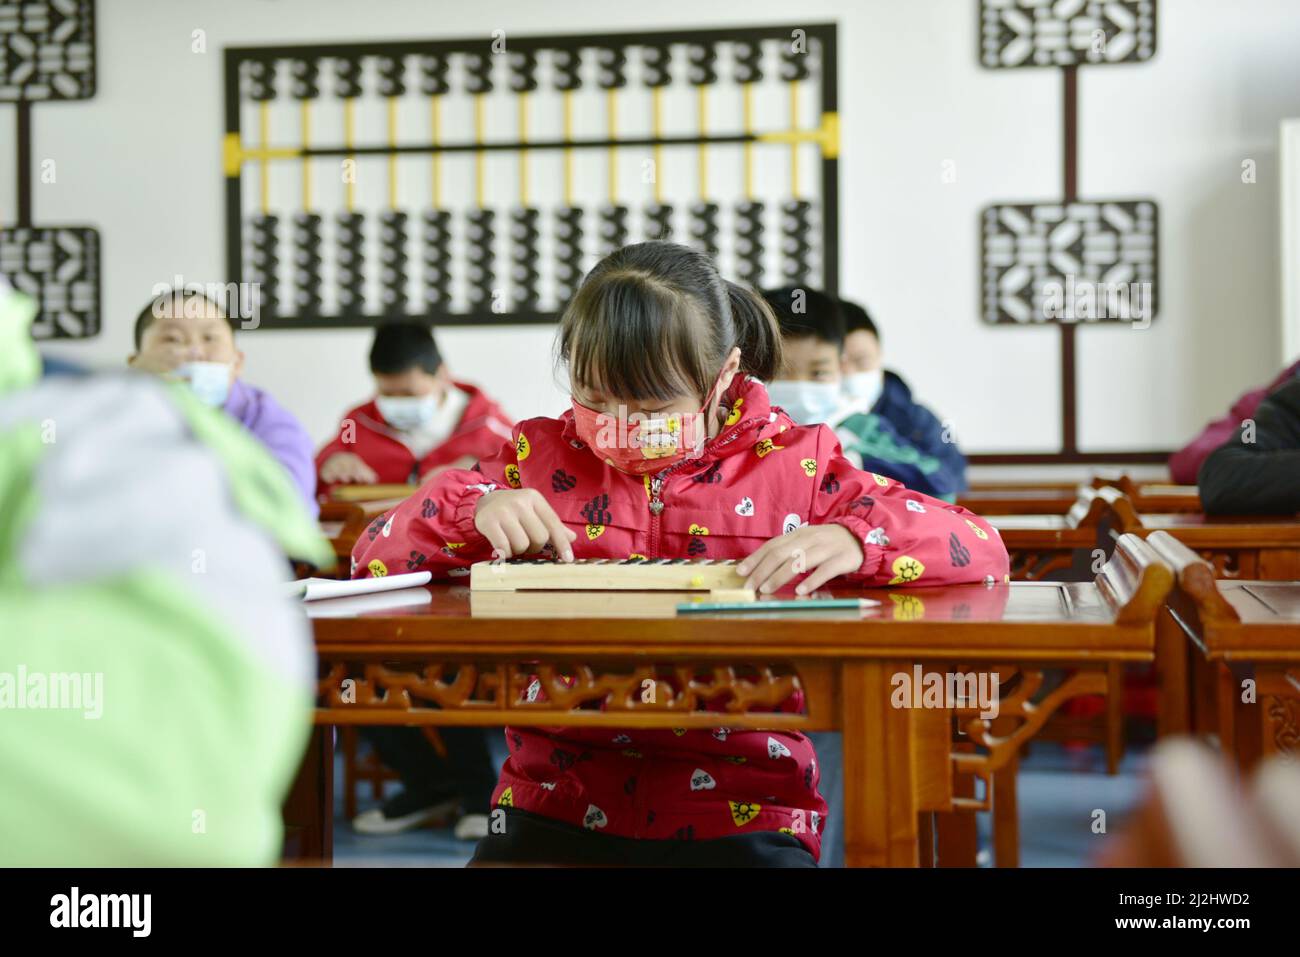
(451, 657)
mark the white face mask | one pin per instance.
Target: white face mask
(406, 413)
(210, 381)
(808, 403)
(864, 388)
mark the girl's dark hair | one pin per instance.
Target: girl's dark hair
(655, 320)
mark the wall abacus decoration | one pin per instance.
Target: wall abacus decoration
(735, 133)
(47, 53)
(1035, 256)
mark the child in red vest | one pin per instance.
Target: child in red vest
(671, 450)
(420, 423)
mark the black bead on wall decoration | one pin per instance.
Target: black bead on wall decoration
(264, 260)
(493, 177)
(307, 263)
(523, 254)
(350, 262)
(392, 262)
(568, 252)
(437, 260)
(480, 235)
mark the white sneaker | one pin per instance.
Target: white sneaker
(471, 827)
(375, 822)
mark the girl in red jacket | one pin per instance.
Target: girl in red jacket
(671, 450)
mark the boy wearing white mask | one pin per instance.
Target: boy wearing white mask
(833, 374)
(182, 334)
(419, 423)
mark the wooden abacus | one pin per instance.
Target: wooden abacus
(606, 574)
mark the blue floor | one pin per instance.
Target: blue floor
(1061, 789)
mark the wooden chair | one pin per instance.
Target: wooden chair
(1043, 546)
(1134, 583)
(366, 768)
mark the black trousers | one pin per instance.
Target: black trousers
(533, 839)
(467, 769)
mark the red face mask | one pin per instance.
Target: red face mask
(639, 445)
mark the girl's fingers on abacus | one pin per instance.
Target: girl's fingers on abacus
(769, 569)
(497, 539)
(802, 558)
(823, 572)
(756, 557)
(560, 535)
(535, 529)
(511, 528)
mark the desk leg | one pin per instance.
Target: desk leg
(880, 807)
(1225, 697)
(1172, 676)
(309, 807)
(1006, 815)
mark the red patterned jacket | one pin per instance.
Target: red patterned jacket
(479, 433)
(761, 476)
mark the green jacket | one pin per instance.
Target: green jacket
(155, 682)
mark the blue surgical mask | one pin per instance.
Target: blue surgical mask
(408, 412)
(210, 381)
(864, 388)
(808, 403)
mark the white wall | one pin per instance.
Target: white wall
(141, 161)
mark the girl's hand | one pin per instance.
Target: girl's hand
(347, 468)
(520, 521)
(823, 551)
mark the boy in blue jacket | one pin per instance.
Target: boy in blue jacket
(833, 374)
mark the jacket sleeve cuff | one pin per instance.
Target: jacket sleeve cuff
(873, 554)
(463, 516)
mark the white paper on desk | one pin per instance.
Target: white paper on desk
(314, 589)
(367, 604)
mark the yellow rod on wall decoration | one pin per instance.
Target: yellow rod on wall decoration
(656, 128)
(349, 121)
(479, 158)
(435, 125)
(264, 122)
(611, 121)
(523, 153)
(702, 109)
(747, 92)
(794, 146)
(568, 152)
(392, 157)
(306, 162)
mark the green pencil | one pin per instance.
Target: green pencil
(797, 604)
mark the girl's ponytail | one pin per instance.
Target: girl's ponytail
(757, 333)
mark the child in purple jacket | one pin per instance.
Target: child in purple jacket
(184, 334)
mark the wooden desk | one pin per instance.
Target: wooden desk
(1042, 545)
(1242, 630)
(1057, 499)
(1248, 547)
(455, 658)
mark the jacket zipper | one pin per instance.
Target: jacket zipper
(657, 482)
